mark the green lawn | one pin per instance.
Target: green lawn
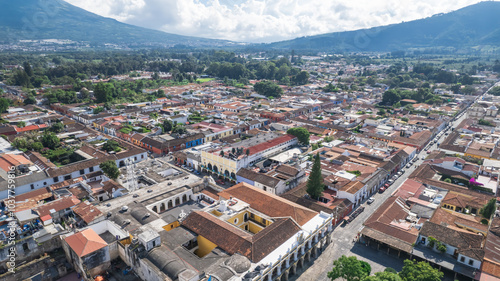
(203, 80)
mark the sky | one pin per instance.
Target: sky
(265, 20)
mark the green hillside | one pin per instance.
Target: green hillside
(56, 19)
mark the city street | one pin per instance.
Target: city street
(343, 237)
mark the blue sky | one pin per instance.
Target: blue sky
(265, 20)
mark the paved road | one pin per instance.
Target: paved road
(343, 237)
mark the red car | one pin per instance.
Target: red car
(381, 190)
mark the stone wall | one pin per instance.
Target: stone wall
(28, 249)
(49, 267)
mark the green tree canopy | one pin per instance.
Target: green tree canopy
(50, 140)
(110, 169)
(383, 276)
(103, 92)
(268, 89)
(419, 271)
(495, 91)
(488, 209)
(347, 268)
(4, 104)
(30, 99)
(57, 127)
(315, 184)
(111, 145)
(167, 125)
(390, 97)
(301, 133)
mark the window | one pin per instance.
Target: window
(235, 221)
(56, 179)
(82, 172)
(462, 259)
(67, 177)
(471, 262)
(32, 186)
(91, 169)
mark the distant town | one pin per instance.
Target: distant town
(214, 165)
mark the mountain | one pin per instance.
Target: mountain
(475, 25)
(57, 19)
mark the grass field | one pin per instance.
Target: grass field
(203, 80)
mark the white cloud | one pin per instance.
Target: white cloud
(265, 20)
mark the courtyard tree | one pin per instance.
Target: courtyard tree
(348, 268)
(419, 271)
(301, 133)
(488, 209)
(50, 140)
(110, 169)
(315, 185)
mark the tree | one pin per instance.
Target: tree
(419, 271)
(50, 140)
(315, 185)
(110, 169)
(268, 89)
(383, 276)
(57, 127)
(179, 129)
(4, 104)
(29, 100)
(28, 69)
(21, 124)
(348, 268)
(103, 92)
(302, 78)
(167, 125)
(495, 91)
(489, 209)
(301, 133)
(153, 115)
(111, 145)
(456, 88)
(391, 97)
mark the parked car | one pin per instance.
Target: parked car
(370, 200)
(381, 190)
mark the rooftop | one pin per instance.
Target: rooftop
(85, 242)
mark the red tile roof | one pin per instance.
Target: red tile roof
(85, 242)
(57, 205)
(30, 128)
(269, 204)
(274, 142)
(87, 212)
